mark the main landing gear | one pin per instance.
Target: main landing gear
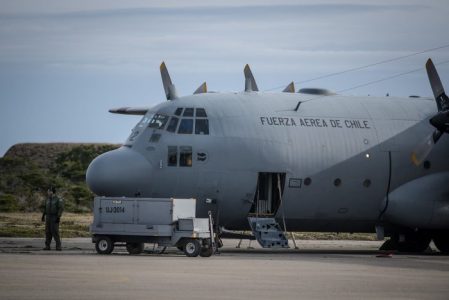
(417, 242)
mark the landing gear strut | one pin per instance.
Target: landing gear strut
(441, 240)
(412, 241)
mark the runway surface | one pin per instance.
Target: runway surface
(318, 270)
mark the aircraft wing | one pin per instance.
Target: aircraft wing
(130, 110)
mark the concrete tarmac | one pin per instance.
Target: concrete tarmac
(318, 270)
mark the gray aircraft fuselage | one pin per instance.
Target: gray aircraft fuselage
(344, 162)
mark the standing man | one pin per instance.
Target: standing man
(54, 206)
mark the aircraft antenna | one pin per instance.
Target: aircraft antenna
(364, 67)
(373, 82)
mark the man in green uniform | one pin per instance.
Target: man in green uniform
(54, 206)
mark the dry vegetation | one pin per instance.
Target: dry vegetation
(77, 225)
(23, 224)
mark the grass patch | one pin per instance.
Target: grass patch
(77, 225)
(30, 225)
(335, 236)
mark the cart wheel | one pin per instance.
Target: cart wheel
(192, 248)
(104, 245)
(134, 248)
(206, 251)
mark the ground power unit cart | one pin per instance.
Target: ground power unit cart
(163, 221)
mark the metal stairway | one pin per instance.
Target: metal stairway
(268, 232)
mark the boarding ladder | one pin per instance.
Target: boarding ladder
(268, 232)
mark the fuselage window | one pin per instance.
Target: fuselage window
(185, 156)
(172, 160)
(201, 126)
(186, 126)
(201, 113)
(188, 112)
(178, 111)
(159, 121)
(172, 124)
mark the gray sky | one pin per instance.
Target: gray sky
(64, 64)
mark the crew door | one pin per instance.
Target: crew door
(267, 199)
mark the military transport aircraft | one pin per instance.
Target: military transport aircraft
(311, 161)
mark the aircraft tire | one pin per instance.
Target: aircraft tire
(441, 240)
(104, 245)
(134, 248)
(415, 242)
(192, 248)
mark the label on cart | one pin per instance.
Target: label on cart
(115, 210)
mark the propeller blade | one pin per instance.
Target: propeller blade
(169, 87)
(201, 89)
(437, 87)
(289, 88)
(422, 150)
(250, 82)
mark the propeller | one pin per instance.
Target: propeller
(440, 121)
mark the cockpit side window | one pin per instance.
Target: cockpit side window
(158, 121)
(172, 159)
(172, 124)
(186, 126)
(185, 156)
(139, 128)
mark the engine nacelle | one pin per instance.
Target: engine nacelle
(422, 203)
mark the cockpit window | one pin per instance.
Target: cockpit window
(194, 120)
(188, 112)
(158, 121)
(201, 113)
(178, 111)
(139, 128)
(186, 126)
(201, 126)
(172, 124)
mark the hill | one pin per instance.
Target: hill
(27, 170)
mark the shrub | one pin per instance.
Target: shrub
(8, 203)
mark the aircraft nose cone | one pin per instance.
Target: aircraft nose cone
(121, 172)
